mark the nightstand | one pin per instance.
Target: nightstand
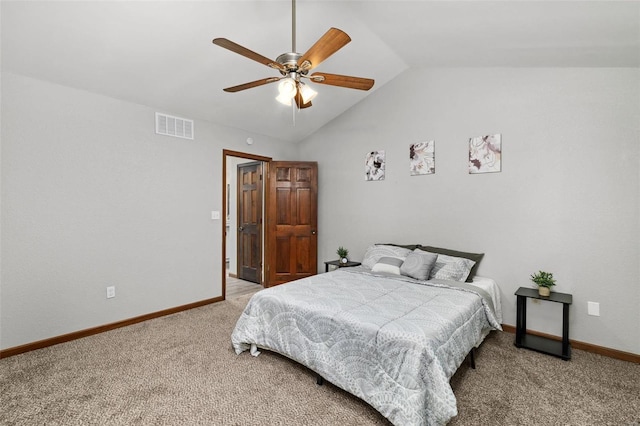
(538, 343)
(339, 264)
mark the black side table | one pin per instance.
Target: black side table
(538, 343)
(339, 264)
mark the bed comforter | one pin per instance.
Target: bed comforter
(392, 341)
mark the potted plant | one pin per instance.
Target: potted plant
(342, 254)
(544, 281)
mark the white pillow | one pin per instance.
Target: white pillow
(374, 253)
(390, 265)
(451, 268)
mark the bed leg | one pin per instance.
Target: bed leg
(472, 358)
(319, 380)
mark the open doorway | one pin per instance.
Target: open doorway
(242, 239)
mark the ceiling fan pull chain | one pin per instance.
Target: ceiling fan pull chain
(293, 108)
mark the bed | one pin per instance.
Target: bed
(388, 338)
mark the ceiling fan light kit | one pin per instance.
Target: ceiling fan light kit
(287, 90)
(307, 93)
(287, 87)
(294, 67)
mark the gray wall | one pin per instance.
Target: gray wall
(566, 201)
(92, 197)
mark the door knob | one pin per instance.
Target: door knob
(313, 232)
(240, 228)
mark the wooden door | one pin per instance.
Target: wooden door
(250, 222)
(292, 211)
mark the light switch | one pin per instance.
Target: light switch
(215, 215)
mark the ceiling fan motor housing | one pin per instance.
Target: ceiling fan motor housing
(290, 62)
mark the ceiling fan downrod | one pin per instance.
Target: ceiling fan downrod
(293, 26)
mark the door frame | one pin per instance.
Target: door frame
(265, 164)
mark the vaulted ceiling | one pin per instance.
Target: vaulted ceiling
(159, 53)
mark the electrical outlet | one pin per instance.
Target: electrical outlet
(111, 292)
(593, 308)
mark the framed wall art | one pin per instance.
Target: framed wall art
(422, 160)
(485, 154)
(374, 165)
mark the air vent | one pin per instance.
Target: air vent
(174, 126)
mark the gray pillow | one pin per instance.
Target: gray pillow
(418, 264)
(407, 246)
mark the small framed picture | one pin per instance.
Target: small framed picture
(374, 166)
(422, 160)
(485, 154)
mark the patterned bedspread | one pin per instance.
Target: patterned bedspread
(392, 341)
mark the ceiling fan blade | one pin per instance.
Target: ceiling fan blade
(332, 41)
(300, 102)
(236, 48)
(251, 84)
(342, 80)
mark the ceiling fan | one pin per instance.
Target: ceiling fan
(295, 67)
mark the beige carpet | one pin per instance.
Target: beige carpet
(181, 369)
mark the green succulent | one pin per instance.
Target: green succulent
(342, 252)
(543, 279)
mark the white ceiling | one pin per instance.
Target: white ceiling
(159, 53)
